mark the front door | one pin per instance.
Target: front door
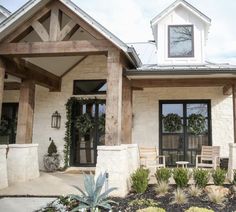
(88, 131)
(184, 127)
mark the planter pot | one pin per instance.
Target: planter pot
(51, 163)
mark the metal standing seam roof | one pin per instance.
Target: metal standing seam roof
(5, 11)
(9, 24)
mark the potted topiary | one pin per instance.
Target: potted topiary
(51, 160)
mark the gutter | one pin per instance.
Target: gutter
(180, 72)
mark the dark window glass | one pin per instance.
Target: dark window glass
(89, 87)
(181, 41)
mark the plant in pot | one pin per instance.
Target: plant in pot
(52, 159)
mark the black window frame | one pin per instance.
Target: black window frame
(103, 81)
(193, 49)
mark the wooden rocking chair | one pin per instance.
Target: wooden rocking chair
(209, 158)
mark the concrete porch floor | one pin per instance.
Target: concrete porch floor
(48, 184)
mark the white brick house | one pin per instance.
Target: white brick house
(48, 60)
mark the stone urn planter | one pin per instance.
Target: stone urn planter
(52, 159)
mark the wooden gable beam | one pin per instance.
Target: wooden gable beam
(68, 30)
(26, 70)
(62, 48)
(41, 31)
(54, 24)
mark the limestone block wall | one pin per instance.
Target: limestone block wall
(22, 162)
(3, 167)
(146, 113)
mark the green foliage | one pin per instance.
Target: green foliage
(101, 123)
(140, 180)
(234, 178)
(181, 177)
(218, 176)
(92, 198)
(163, 175)
(143, 203)
(196, 209)
(172, 122)
(52, 149)
(151, 209)
(196, 124)
(201, 177)
(84, 123)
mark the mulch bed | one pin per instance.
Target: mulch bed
(166, 202)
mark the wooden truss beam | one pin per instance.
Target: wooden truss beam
(11, 86)
(227, 89)
(62, 48)
(25, 70)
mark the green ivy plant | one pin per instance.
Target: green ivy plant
(101, 123)
(196, 124)
(172, 122)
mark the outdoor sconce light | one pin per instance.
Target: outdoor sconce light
(56, 120)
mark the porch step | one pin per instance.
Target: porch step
(80, 170)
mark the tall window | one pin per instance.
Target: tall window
(180, 41)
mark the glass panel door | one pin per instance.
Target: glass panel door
(184, 128)
(85, 141)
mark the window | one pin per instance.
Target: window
(85, 87)
(180, 41)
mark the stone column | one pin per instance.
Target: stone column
(3, 167)
(22, 162)
(25, 112)
(2, 76)
(232, 160)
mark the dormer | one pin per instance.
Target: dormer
(180, 33)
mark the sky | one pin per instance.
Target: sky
(130, 21)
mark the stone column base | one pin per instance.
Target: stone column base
(3, 167)
(232, 160)
(22, 162)
(119, 162)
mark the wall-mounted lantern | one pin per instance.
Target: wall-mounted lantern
(56, 120)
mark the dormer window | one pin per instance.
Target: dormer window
(180, 41)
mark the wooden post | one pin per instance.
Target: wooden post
(234, 109)
(26, 112)
(126, 112)
(2, 76)
(113, 99)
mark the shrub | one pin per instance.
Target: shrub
(163, 175)
(92, 198)
(180, 197)
(140, 180)
(195, 191)
(162, 188)
(144, 203)
(151, 209)
(196, 209)
(234, 178)
(181, 177)
(216, 197)
(201, 177)
(218, 176)
(52, 149)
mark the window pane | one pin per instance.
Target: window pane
(89, 87)
(172, 108)
(197, 109)
(181, 41)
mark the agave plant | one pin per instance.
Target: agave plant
(93, 198)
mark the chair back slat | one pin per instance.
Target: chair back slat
(210, 151)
